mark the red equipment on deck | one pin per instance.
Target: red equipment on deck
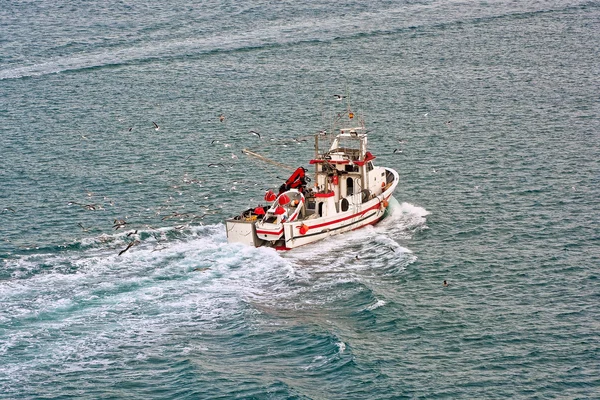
(296, 181)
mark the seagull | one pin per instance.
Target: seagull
(132, 233)
(255, 134)
(339, 97)
(397, 150)
(119, 223)
(91, 207)
(8, 209)
(131, 128)
(214, 141)
(449, 122)
(216, 165)
(130, 245)
(156, 127)
(83, 227)
(390, 250)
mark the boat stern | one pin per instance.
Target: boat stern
(242, 231)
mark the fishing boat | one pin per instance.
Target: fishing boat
(346, 192)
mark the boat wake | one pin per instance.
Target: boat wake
(318, 30)
(155, 294)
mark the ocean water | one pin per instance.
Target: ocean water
(494, 107)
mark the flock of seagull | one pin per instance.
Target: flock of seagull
(121, 223)
(133, 236)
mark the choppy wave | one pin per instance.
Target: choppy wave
(485, 101)
(364, 24)
(54, 301)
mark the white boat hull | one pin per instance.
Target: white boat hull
(358, 216)
(347, 192)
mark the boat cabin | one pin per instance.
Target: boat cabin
(344, 174)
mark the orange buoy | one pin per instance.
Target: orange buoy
(303, 229)
(351, 115)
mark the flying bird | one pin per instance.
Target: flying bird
(397, 150)
(156, 127)
(119, 223)
(130, 245)
(91, 207)
(255, 134)
(339, 97)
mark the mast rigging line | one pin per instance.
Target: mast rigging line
(267, 160)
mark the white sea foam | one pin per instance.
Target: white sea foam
(195, 278)
(379, 303)
(133, 301)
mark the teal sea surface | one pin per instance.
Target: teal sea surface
(489, 111)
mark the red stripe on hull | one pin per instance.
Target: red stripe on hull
(343, 219)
